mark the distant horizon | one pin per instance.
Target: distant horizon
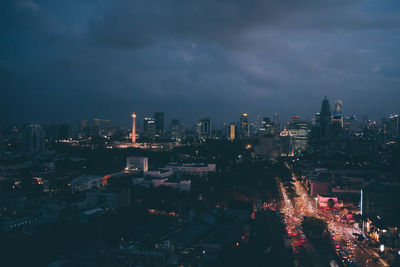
(188, 124)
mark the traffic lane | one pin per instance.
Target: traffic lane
(366, 253)
(305, 204)
(364, 256)
(318, 257)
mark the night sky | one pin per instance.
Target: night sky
(80, 59)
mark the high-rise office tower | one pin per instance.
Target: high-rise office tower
(337, 119)
(299, 131)
(232, 132)
(286, 146)
(317, 118)
(133, 127)
(34, 139)
(276, 121)
(204, 127)
(325, 118)
(259, 124)
(149, 127)
(391, 126)
(244, 127)
(159, 123)
(268, 126)
(316, 127)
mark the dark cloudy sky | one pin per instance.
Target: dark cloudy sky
(80, 59)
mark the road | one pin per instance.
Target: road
(356, 252)
(293, 218)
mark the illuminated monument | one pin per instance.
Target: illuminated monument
(133, 128)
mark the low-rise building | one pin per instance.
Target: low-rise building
(137, 164)
(319, 187)
(200, 169)
(183, 185)
(85, 183)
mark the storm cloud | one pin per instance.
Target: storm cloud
(71, 60)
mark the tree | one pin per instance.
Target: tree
(330, 203)
(313, 227)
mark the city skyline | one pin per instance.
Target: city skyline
(217, 64)
(200, 133)
(192, 122)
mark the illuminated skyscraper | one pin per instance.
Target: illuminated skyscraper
(337, 120)
(232, 132)
(299, 131)
(268, 126)
(286, 143)
(338, 107)
(244, 127)
(149, 127)
(133, 128)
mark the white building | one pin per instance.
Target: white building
(163, 177)
(137, 164)
(160, 173)
(183, 185)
